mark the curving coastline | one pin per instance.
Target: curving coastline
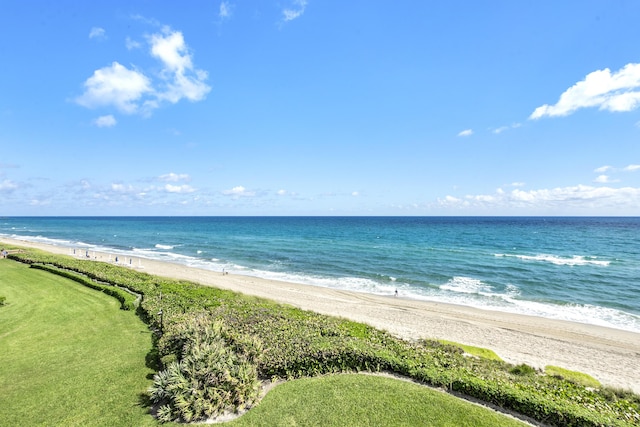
(609, 355)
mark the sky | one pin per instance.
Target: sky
(310, 107)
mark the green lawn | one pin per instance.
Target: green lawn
(366, 400)
(69, 355)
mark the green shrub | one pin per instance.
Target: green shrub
(3, 301)
(573, 376)
(523, 370)
(215, 371)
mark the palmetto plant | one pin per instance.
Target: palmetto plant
(215, 372)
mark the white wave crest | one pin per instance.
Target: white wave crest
(165, 247)
(466, 285)
(559, 260)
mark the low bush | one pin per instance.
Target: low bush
(573, 376)
(215, 371)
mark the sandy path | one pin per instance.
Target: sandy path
(610, 355)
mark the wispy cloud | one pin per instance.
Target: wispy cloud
(607, 168)
(562, 199)
(8, 186)
(505, 128)
(97, 33)
(295, 11)
(224, 11)
(466, 132)
(105, 121)
(174, 177)
(239, 191)
(604, 179)
(131, 44)
(603, 169)
(169, 188)
(616, 92)
(131, 91)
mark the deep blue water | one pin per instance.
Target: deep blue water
(580, 269)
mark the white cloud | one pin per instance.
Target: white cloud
(121, 188)
(182, 80)
(131, 91)
(296, 11)
(225, 10)
(282, 192)
(174, 177)
(501, 129)
(105, 121)
(604, 179)
(573, 199)
(355, 194)
(603, 169)
(632, 168)
(115, 86)
(178, 188)
(97, 33)
(239, 191)
(466, 132)
(132, 44)
(618, 91)
(8, 186)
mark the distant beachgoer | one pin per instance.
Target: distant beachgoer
(116, 259)
(396, 292)
(4, 253)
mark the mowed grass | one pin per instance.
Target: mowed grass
(366, 400)
(68, 355)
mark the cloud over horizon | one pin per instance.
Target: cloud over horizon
(580, 198)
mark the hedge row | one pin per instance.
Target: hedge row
(127, 300)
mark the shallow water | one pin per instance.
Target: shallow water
(579, 269)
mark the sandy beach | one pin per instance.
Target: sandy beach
(610, 355)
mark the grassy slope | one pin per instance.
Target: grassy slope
(366, 400)
(69, 355)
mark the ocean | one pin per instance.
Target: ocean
(581, 269)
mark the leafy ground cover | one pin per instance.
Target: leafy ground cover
(298, 344)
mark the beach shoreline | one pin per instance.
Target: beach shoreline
(610, 355)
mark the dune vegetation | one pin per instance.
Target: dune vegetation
(213, 348)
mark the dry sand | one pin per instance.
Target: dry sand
(610, 355)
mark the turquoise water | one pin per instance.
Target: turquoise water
(580, 269)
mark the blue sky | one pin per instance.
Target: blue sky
(294, 107)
